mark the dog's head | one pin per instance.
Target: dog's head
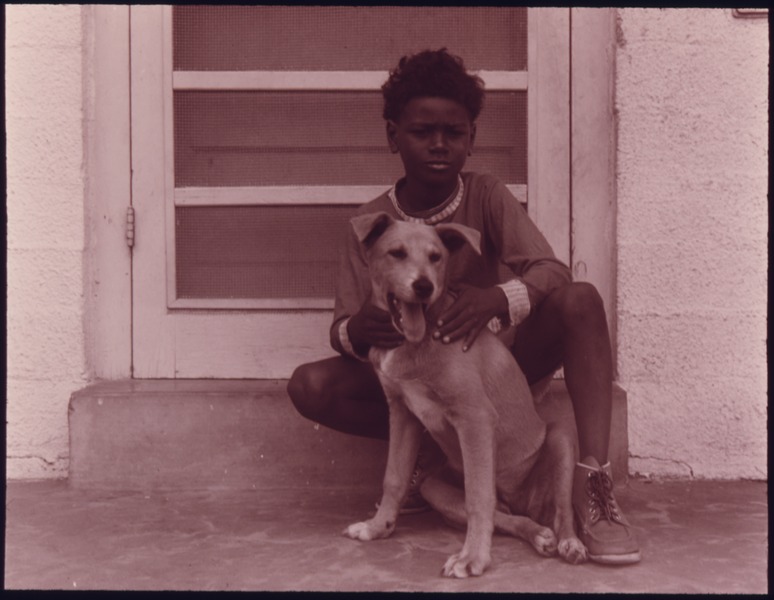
(407, 263)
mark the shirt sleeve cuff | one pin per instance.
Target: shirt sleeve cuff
(518, 300)
(346, 344)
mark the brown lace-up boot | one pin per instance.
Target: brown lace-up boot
(601, 525)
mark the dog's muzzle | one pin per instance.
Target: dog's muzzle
(409, 317)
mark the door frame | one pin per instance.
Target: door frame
(107, 257)
(109, 262)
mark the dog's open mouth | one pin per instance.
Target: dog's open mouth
(407, 317)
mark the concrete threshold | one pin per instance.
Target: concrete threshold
(188, 434)
(241, 434)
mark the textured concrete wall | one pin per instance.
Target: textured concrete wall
(692, 102)
(45, 243)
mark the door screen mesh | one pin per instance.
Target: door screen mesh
(319, 138)
(312, 138)
(258, 251)
(344, 38)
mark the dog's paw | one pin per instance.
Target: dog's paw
(573, 551)
(544, 541)
(463, 565)
(369, 530)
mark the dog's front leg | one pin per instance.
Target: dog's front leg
(405, 432)
(476, 435)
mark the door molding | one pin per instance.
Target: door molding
(548, 180)
(593, 205)
(107, 258)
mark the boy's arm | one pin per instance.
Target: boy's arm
(521, 246)
(352, 289)
(519, 304)
(357, 323)
(515, 241)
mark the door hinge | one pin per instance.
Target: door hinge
(130, 226)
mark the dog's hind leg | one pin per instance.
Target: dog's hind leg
(560, 455)
(449, 501)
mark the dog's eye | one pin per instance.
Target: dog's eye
(400, 253)
(435, 257)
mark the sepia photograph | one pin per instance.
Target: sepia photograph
(350, 298)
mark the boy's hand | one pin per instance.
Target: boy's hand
(470, 313)
(372, 326)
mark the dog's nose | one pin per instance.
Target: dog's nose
(423, 287)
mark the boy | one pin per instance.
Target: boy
(430, 107)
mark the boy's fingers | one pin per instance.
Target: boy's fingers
(381, 317)
(389, 335)
(471, 338)
(393, 335)
(453, 331)
(451, 313)
(455, 325)
(467, 329)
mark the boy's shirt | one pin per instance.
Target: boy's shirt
(508, 238)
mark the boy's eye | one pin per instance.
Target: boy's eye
(435, 257)
(398, 253)
(451, 134)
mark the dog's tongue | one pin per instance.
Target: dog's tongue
(413, 323)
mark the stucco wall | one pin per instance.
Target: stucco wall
(45, 204)
(692, 102)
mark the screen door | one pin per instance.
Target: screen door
(257, 131)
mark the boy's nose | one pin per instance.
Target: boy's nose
(438, 141)
(423, 288)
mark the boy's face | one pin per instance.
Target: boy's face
(434, 137)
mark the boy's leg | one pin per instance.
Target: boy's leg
(341, 393)
(345, 394)
(570, 328)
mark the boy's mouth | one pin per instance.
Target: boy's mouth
(408, 317)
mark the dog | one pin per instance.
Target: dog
(477, 406)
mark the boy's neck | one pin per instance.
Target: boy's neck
(415, 197)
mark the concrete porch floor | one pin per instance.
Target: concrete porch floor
(696, 537)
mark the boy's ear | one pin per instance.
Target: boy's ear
(392, 128)
(454, 236)
(368, 228)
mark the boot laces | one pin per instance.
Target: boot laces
(599, 487)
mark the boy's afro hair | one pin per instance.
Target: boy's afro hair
(432, 73)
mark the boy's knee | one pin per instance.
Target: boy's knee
(304, 390)
(581, 301)
(295, 387)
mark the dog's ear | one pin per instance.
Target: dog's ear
(369, 227)
(454, 236)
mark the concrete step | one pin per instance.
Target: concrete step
(242, 434)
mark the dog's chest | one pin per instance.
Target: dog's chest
(423, 402)
(404, 377)
(403, 363)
